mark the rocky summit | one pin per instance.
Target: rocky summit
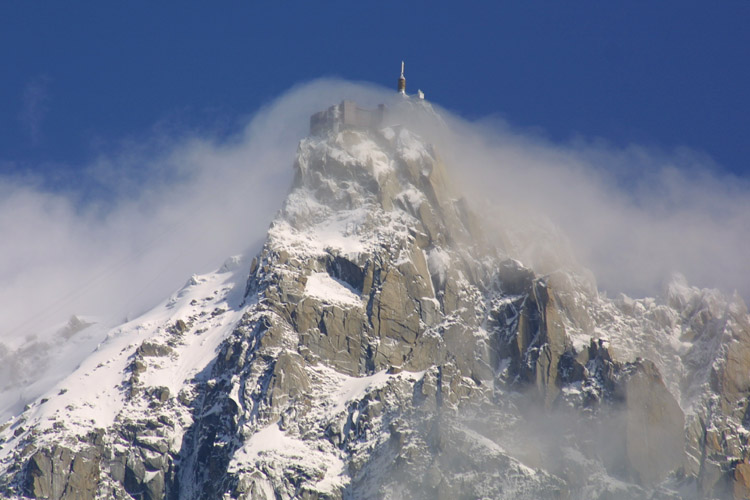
(382, 346)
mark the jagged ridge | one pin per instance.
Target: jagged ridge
(382, 347)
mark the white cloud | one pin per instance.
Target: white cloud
(632, 215)
(180, 205)
(163, 208)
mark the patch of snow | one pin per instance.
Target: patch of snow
(355, 388)
(366, 152)
(271, 439)
(438, 263)
(340, 232)
(580, 341)
(412, 198)
(274, 444)
(327, 289)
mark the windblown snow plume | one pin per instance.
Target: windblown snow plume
(387, 337)
(147, 216)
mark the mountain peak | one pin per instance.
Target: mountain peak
(380, 346)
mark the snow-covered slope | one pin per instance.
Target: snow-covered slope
(380, 346)
(28, 370)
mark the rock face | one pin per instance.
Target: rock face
(381, 347)
(60, 473)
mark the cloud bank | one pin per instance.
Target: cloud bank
(174, 204)
(142, 219)
(633, 215)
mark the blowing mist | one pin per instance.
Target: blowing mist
(580, 235)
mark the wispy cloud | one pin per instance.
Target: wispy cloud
(181, 204)
(633, 215)
(165, 208)
(34, 107)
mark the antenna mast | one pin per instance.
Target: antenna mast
(402, 81)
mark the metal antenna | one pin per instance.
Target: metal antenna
(402, 81)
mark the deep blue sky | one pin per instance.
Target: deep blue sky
(78, 78)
